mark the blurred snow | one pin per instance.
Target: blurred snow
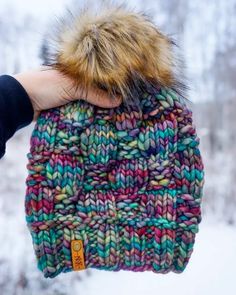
(205, 30)
(210, 270)
(40, 9)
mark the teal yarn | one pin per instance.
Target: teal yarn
(120, 188)
(128, 183)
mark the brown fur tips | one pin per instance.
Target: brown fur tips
(113, 49)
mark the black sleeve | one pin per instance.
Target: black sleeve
(16, 110)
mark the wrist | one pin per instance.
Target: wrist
(27, 82)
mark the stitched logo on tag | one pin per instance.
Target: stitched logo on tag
(77, 253)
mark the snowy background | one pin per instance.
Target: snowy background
(206, 33)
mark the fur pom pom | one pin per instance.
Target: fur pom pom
(116, 49)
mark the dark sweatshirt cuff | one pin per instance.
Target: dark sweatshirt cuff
(2, 146)
(18, 110)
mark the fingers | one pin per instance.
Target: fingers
(69, 90)
(48, 88)
(101, 98)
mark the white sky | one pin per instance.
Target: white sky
(39, 8)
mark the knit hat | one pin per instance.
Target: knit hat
(120, 188)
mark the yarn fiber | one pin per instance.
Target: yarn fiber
(128, 184)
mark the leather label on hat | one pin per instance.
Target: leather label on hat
(77, 253)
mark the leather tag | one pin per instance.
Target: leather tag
(77, 253)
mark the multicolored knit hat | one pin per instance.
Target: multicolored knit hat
(120, 188)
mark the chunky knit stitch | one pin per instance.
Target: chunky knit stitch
(128, 184)
(125, 183)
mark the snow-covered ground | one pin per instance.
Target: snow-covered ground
(211, 269)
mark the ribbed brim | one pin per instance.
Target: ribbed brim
(135, 244)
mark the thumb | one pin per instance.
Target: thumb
(102, 98)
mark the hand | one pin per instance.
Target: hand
(48, 88)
